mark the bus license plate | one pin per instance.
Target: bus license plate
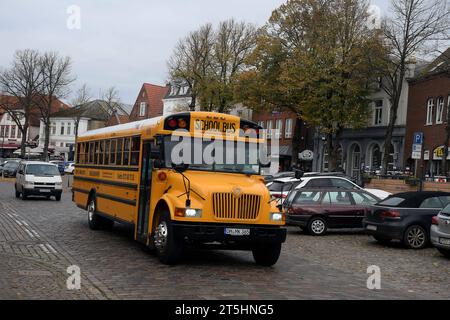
(444, 241)
(237, 232)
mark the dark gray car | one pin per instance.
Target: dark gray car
(406, 217)
(440, 232)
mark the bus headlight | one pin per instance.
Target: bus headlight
(188, 213)
(276, 216)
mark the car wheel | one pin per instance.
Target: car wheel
(24, 195)
(384, 241)
(94, 219)
(317, 226)
(58, 197)
(168, 248)
(444, 252)
(415, 237)
(17, 192)
(267, 255)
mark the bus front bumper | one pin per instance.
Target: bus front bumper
(210, 233)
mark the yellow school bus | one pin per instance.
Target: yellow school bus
(135, 173)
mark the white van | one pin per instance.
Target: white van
(36, 178)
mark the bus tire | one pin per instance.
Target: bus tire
(94, 220)
(168, 248)
(267, 255)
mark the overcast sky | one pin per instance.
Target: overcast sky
(120, 43)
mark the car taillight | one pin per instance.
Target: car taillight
(391, 214)
(435, 220)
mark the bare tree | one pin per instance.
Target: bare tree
(56, 78)
(415, 25)
(82, 96)
(21, 81)
(112, 99)
(191, 60)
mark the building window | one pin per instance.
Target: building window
(2, 131)
(13, 131)
(53, 126)
(62, 128)
(439, 110)
(378, 113)
(278, 125)
(288, 128)
(430, 106)
(269, 129)
(142, 109)
(19, 133)
(6, 132)
(69, 129)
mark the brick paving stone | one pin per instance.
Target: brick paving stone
(114, 266)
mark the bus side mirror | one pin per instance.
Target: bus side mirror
(299, 174)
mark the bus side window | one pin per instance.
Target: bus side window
(126, 151)
(112, 159)
(78, 152)
(91, 152)
(135, 147)
(107, 142)
(119, 152)
(101, 152)
(97, 151)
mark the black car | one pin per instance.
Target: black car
(10, 169)
(406, 217)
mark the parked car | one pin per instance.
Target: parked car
(10, 169)
(316, 210)
(440, 231)
(280, 188)
(38, 179)
(406, 217)
(70, 166)
(60, 164)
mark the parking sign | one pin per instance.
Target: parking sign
(418, 138)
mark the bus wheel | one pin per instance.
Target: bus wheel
(168, 248)
(94, 219)
(267, 255)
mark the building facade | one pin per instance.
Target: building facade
(428, 116)
(362, 150)
(149, 102)
(283, 125)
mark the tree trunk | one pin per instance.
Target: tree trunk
(46, 141)
(192, 104)
(24, 139)
(333, 150)
(296, 140)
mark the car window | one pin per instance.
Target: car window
(446, 210)
(341, 183)
(338, 197)
(319, 183)
(445, 200)
(276, 186)
(308, 197)
(431, 203)
(391, 202)
(363, 198)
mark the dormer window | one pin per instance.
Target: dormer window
(142, 108)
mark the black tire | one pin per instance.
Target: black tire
(444, 252)
(24, 195)
(58, 197)
(415, 237)
(17, 192)
(317, 226)
(384, 241)
(267, 255)
(94, 220)
(168, 247)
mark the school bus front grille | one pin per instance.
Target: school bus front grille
(227, 206)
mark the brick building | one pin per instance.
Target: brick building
(149, 102)
(284, 126)
(428, 113)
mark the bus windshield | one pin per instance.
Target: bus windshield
(218, 155)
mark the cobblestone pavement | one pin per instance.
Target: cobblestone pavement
(39, 239)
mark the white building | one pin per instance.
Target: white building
(90, 116)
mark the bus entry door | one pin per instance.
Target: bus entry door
(144, 192)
